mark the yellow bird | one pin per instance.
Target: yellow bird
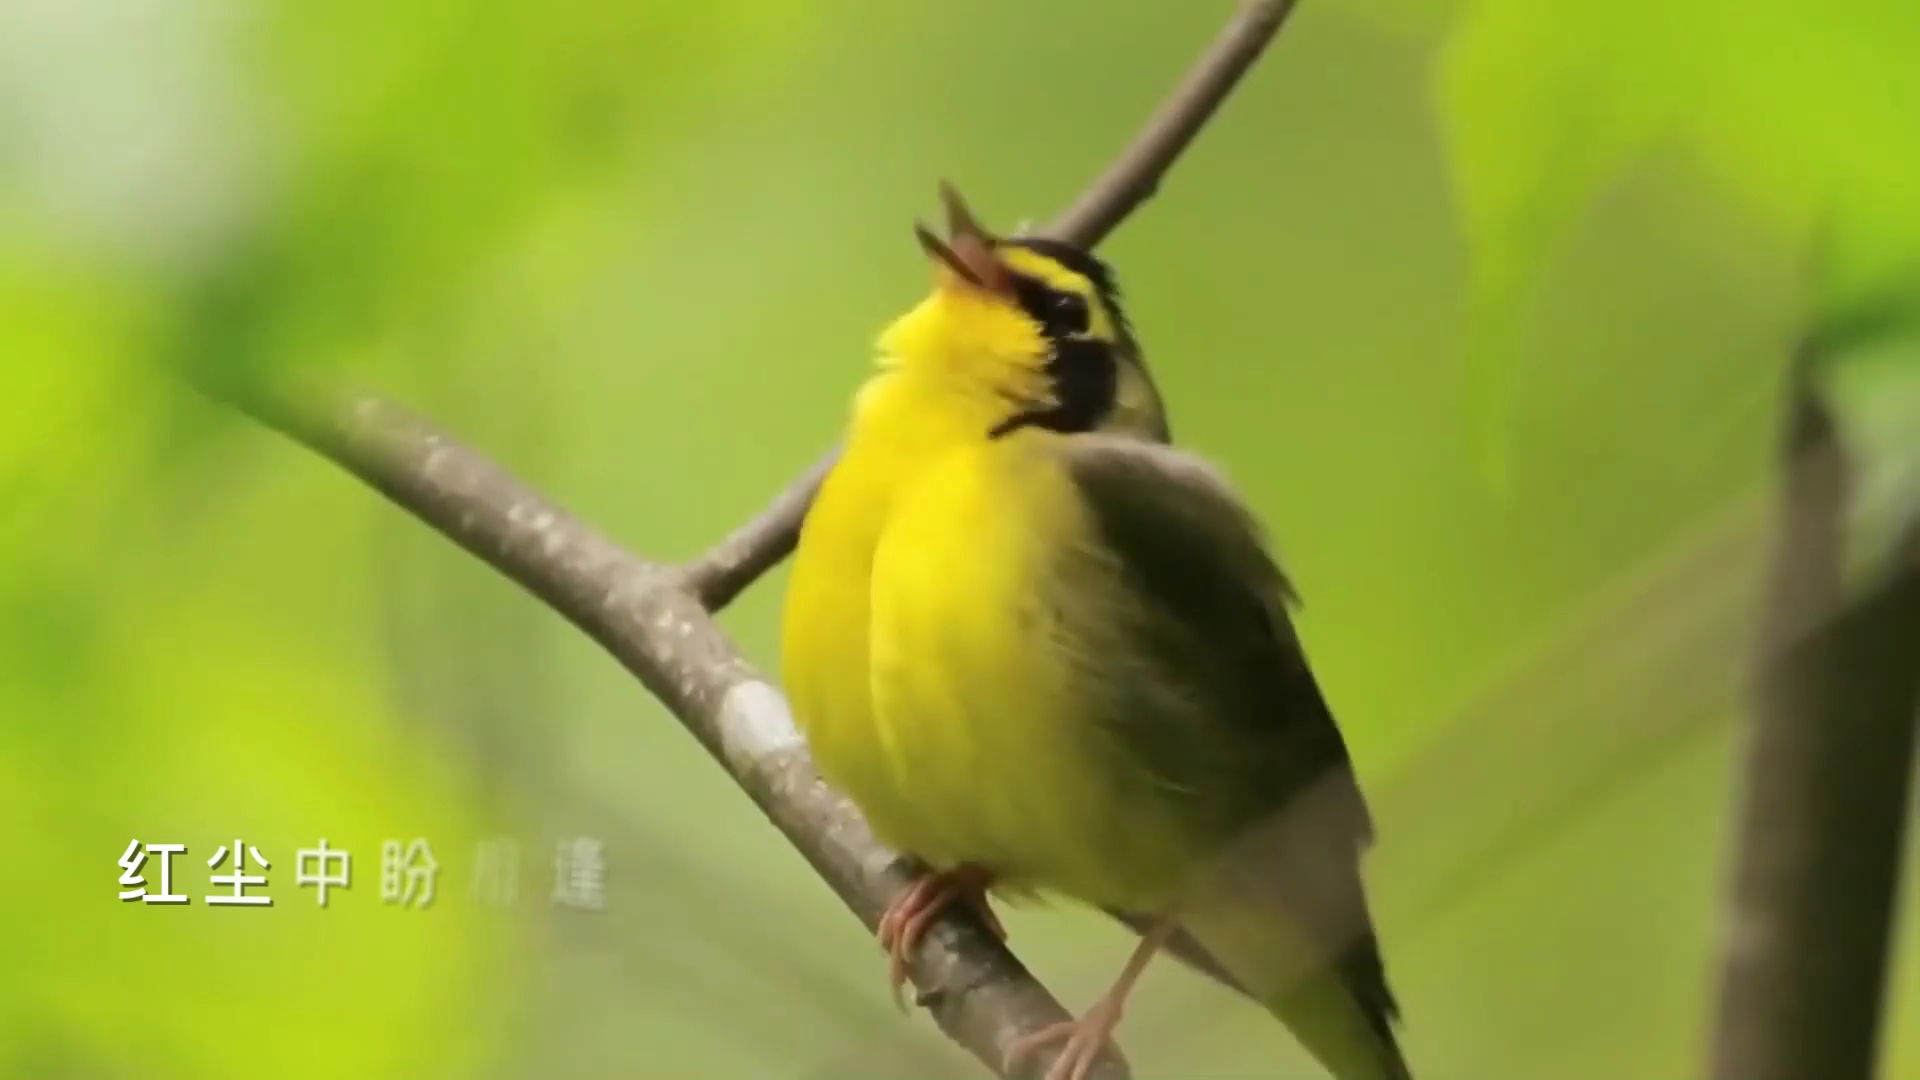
(1044, 652)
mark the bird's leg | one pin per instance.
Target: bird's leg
(1086, 1037)
(907, 918)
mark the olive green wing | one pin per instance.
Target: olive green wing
(1218, 702)
(1216, 699)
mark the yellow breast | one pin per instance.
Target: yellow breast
(965, 696)
(825, 636)
(914, 642)
(824, 652)
(918, 658)
(906, 498)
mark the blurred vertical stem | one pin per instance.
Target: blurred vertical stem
(1809, 915)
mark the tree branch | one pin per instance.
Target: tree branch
(639, 612)
(751, 550)
(1810, 906)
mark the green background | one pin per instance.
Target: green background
(1484, 305)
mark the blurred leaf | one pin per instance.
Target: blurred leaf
(1805, 121)
(418, 140)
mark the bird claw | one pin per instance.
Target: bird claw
(911, 914)
(1086, 1038)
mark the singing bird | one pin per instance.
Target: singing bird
(1045, 653)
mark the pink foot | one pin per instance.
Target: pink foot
(1092, 1033)
(908, 917)
(1085, 1038)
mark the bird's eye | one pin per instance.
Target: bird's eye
(1070, 312)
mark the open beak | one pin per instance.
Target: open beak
(948, 259)
(966, 256)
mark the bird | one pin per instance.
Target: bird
(1047, 655)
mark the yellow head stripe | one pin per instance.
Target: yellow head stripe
(1045, 270)
(1054, 275)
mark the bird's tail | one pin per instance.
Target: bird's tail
(1341, 1012)
(1353, 1039)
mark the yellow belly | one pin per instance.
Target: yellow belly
(978, 710)
(914, 650)
(824, 645)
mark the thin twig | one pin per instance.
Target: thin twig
(758, 546)
(1829, 765)
(1135, 174)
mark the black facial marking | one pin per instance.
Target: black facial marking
(1061, 314)
(1084, 373)
(1085, 380)
(1105, 285)
(1069, 312)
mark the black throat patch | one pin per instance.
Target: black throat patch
(1084, 372)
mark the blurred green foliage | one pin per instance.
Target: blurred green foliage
(1805, 122)
(637, 251)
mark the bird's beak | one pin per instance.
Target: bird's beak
(965, 259)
